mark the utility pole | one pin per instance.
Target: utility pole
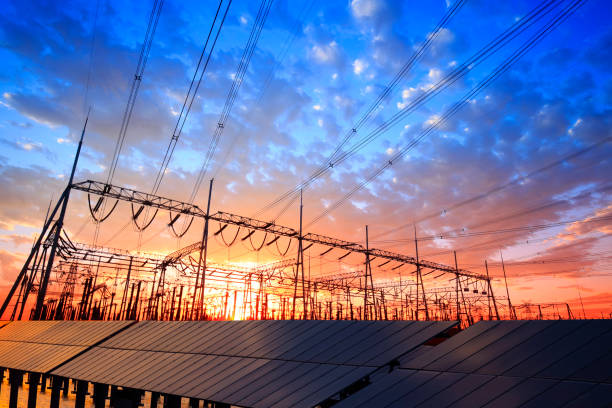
(491, 294)
(368, 274)
(299, 268)
(419, 279)
(59, 224)
(511, 310)
(202, 259)
(457, 287)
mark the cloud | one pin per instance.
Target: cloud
(325, 53)
(359, 66)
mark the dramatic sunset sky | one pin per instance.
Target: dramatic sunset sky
(523, 168)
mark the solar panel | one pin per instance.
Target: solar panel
(559, 394)
(530, 347)
(444, 363)
(420, 359)
(303, 363)
(428, 389)
(599, 396)
(250, 363)
(590, 354)
(524, 391)
(464, 385)
(40, 346)
(560, 348)
(508, 344)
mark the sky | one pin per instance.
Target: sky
(522, 168)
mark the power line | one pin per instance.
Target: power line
(191, 95)
(516, 181)
(140, 67)
(247, 55)
(370, 112)
(502, 68)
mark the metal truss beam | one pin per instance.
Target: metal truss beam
(140, 198)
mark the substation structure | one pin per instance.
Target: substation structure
(76, 281)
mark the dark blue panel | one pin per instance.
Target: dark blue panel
(436, 385)
(407, 340)
(559, 349)
(419, 359)
(593, 351)
(523, 392)
(474, 345)
(559, 395)
(325, 386)
(380, 382)
(285, 381)
(599, 396)
(508, 344)
(487, 392)
(532, 346)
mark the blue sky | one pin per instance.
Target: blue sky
(328, 61)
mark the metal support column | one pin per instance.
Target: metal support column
(56, 388)
(33, 380)
(100, 394)
(15, 381)
(81, 393)
(154, 399)
(172, 401)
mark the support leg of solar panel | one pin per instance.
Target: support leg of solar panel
(154, 399)
(65, 387)
(15, 381)
(56, 389)
(81, 393)
(172, 401)
(33, 380)
(100, 394)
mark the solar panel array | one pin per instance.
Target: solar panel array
(43, 345)
(502, 364)
(249, 363)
